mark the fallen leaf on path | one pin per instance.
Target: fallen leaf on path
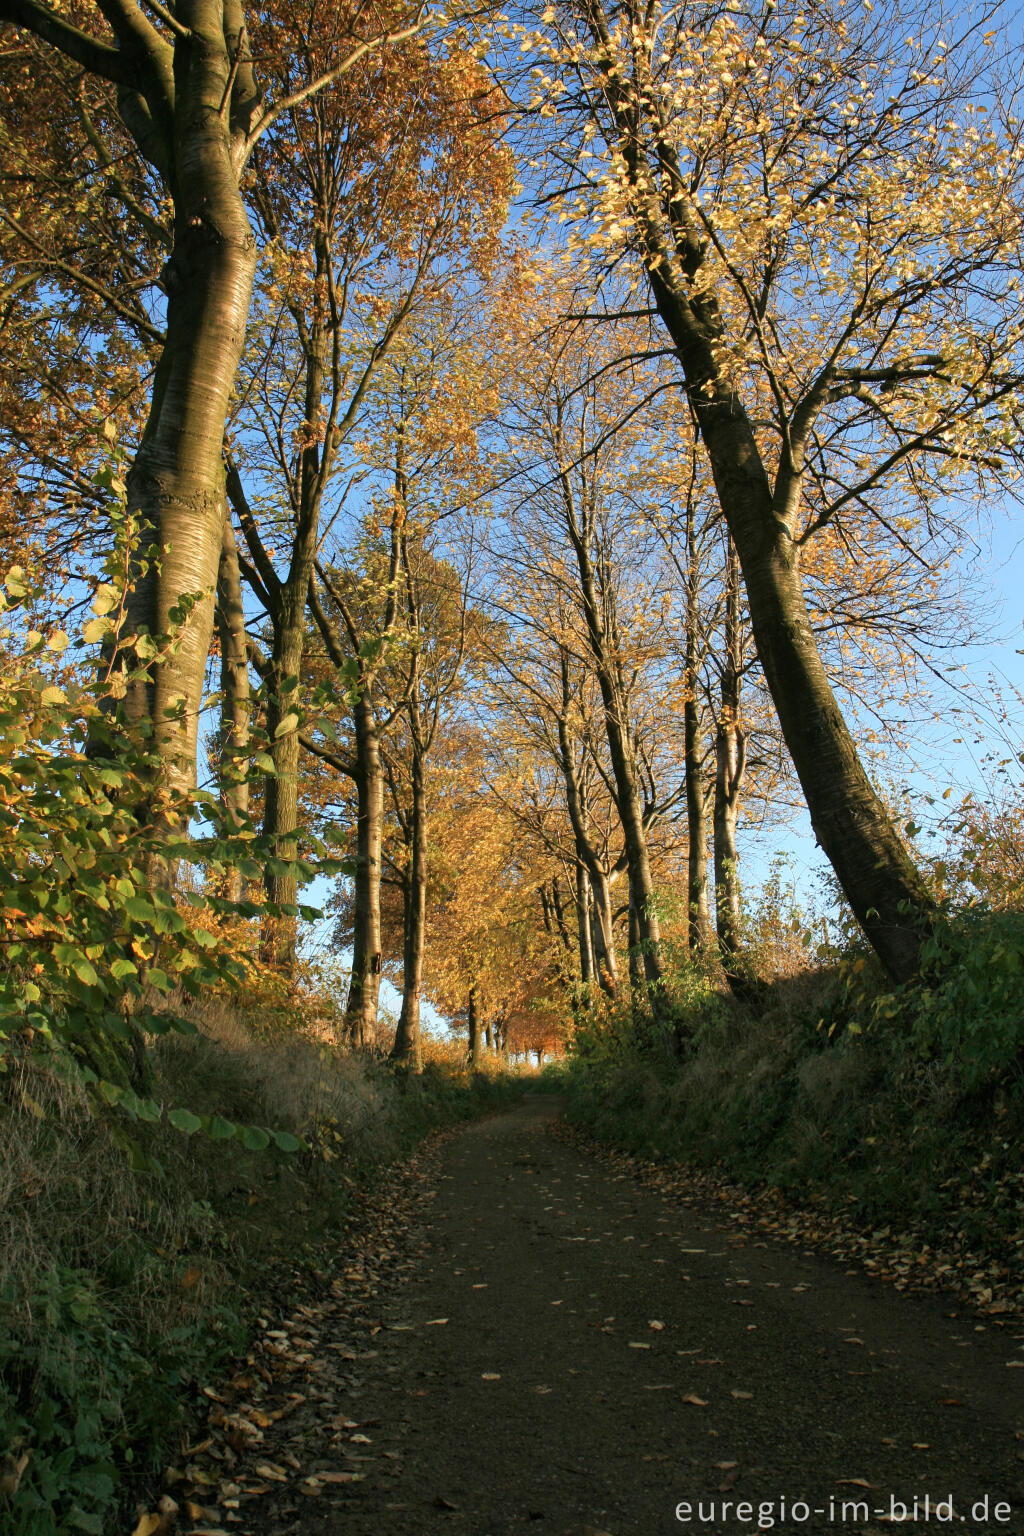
(491, 1376)
(339, 1477)
(269, 1470)
(855, 1482)
(725, 1466)
(658, 1327)
(436, 1322)
(698, 1402)
(741, 1394)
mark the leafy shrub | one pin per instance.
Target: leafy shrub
(964, 1009)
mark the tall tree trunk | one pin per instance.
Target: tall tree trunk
(730, 756)
(188, 100)
(636, 965)
(878, 877)
(473, 1025)
(488, 1036)
(634, 833)
(604, 935)
(885, 890)
(407, 1046)
(597, 936)
(280, 801)
(698, 906)
(236, 703)
(600, 620)
(176, 484)
(584, 923)
(364, 988)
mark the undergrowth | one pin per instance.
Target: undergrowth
(889, 1106)
(120, 1290)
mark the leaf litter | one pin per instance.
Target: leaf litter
(284, 1425)
(906, 1259)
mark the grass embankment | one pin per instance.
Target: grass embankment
(912, 1120)
(120, 1290)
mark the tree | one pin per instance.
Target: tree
(359, 245)
(572, 523)
(188, 99)
(826, 224)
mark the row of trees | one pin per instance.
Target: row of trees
(556, 544)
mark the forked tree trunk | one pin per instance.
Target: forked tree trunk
(730, 758)
(604, 935)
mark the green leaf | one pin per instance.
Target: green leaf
(286, 726)
(220, 1129)
(107, 597)
(95, 629)
(122, 968)
(85, 973)
(286, 1141)
(184, 1120)
(264, 762)
(252, 1137)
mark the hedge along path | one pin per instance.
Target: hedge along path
(526, 1339)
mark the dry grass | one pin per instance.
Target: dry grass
(119, 1287)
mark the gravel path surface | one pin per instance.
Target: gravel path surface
(565, 1352)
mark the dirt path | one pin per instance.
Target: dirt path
(568, 1353)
